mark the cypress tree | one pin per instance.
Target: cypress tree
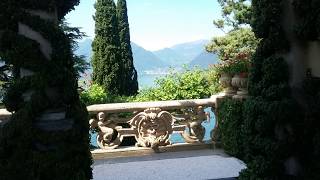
(105, 61)
(130, 82)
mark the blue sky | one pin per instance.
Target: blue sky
(156, 24)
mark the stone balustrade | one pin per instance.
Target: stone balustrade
(151, 123)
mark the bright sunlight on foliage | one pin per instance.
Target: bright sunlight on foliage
(189, 84)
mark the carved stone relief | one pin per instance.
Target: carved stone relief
(151, 128)
(106, 132)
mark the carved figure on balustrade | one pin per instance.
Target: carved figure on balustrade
(153, 128)
(196, 130)
(106, 131)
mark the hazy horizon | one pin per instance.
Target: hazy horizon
(187, 42)
(158, 24)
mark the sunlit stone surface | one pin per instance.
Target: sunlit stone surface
(186, 165)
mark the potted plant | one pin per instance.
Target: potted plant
(240, 71)
(225, 70)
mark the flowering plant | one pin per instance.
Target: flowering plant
(239, 65)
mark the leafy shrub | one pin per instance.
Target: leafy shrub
(94, 95)
(190, 84)
(230, 122)
(97, 95)
(213, 78)
(238, 41)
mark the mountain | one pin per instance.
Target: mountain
(190, 53)
(84, 48)
(171, 57)
(190, 50)
(204, 59)
(151, 65)
(145, 60)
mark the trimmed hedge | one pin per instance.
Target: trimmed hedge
(26, 151)
(275, 127)
(230, 122)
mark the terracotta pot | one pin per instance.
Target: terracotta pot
(225, 82)
(241, 83)
(243, 75)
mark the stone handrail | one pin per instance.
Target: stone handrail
(151, 123)
(140, 106)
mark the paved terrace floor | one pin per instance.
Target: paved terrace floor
(203, 164)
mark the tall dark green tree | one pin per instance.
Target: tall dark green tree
(130, 82)
(235, 14)
(239, 37)
(107, 67)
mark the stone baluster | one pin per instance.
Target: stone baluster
(152, 126)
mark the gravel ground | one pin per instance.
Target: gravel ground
(187, 165)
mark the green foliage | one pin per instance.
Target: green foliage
(264, 137)
(213, 78)
(97, 95)
(238, 66)
(271, 109)
(230, 123)
(248, 132)
(261, 168)
(309, 14)
(235, 42)
(236, 47)
(107, 69)
(62, 6)
(267, 143)
(26, 151)
(129, 79)
(190, 84)
(234, 13)
(80, 65)
(266, 15)
(94, 95)
(112, 58)
(74, 33)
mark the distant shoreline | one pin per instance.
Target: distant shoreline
(154, 72)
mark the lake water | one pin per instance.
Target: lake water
(148, 80)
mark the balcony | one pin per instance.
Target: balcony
(152, 125)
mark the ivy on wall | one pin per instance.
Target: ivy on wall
(271, 115)
(308, 12)
(264, 126)
(26, 151)
(276, 128)
(230, 127)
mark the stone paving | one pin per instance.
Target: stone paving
(186, 165)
